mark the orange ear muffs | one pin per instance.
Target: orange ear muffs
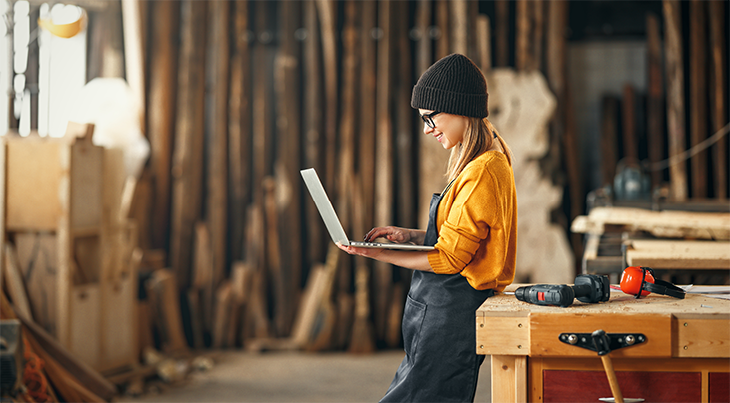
(639, 282)
(633, 279)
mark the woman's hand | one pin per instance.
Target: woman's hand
(415, 260)
(367, 252)
(396, 234)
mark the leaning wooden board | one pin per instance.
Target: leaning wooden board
(687, 341)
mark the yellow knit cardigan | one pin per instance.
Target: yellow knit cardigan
(477, 224)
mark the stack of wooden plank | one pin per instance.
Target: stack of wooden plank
(664, 240)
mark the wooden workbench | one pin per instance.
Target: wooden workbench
(685, 357)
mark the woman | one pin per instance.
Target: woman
(473, 227)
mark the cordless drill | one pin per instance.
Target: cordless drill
(590, 288)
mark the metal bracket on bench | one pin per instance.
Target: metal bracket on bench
(602, 345)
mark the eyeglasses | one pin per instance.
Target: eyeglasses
(428, 119)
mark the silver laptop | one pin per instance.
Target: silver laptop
(333, 223)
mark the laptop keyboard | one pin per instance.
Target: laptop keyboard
(365, 244)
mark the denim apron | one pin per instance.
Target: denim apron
(439, 334)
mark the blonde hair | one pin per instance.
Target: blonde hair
(478, 138)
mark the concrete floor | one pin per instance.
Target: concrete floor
(239, 376)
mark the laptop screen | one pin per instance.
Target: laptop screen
(326, 210)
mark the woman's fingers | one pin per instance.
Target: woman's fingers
(375, 233)
(367, 252)
(394, 234)
(369, 235)
(348, 249)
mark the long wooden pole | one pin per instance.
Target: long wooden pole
(458, 26)
(655, 96)
(443, 42)
(555, 72)
(313, 122)
(538, 33)
(718, 100)
(288, 67)
(522, 35)
(274, 257)
(501, 34)
(675, 96)
(239, 134)
(161, 112)
(217, 192)
(698, 95)
(187, 165)
(261, 97)
(261, 157)
(484, 43)
(472, 15)
(556, 44)
(134, 31)
(326, 9)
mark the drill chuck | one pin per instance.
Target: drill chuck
(591, 288)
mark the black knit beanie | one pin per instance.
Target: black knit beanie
(452, 85)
